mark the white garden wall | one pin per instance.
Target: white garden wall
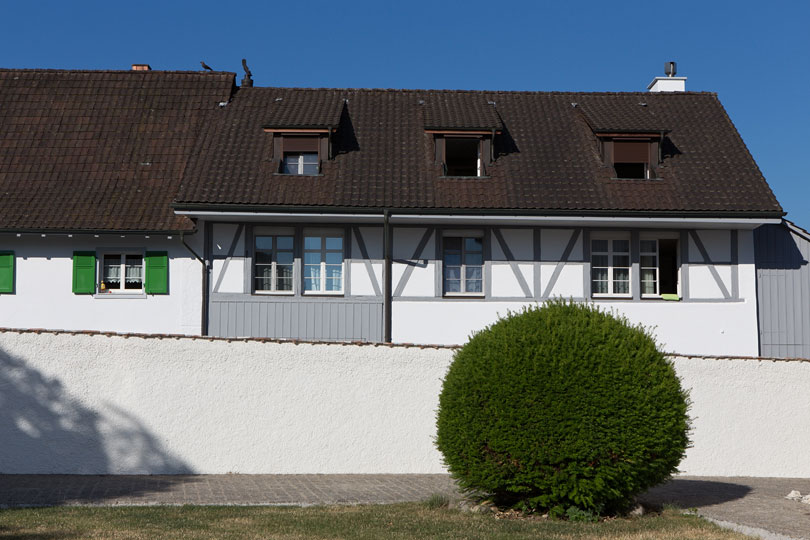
(94, 403)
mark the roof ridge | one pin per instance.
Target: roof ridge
(471, 91)
(107, 71)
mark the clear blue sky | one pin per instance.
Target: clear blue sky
(755, 55)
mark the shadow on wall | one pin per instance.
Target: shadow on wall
(775, 248)
(44, 430)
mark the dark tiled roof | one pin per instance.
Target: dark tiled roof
(99, 150)
(605, 113)
(461, 111)
(548, 158)
(295, 110)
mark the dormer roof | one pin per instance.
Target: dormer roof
(459, 111)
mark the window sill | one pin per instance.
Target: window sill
(274, 293)
(464, 295)
(612, 296)
(122, 296)
(293, 175)
(666, 297)
(319, 293)
(466, 177)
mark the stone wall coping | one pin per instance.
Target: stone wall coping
(127, 335)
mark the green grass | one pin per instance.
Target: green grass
(397, 521)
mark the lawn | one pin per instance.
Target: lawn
(397, 521)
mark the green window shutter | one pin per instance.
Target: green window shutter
(6, 272)
(157, 272)
(84, 272)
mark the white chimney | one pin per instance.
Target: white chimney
(670, 83)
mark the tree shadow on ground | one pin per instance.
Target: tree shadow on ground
(694, 493)
(44, 430)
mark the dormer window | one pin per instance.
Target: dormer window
(463, 153)
(631, 159)
(300, 152)
(462, 156)
(305, 163)
(631, 156)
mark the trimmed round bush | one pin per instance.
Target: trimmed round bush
(562, 406)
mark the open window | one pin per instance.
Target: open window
(631, 159)
(659, 268)
(463, 154)
(633, 156)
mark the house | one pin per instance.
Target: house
(178, 202)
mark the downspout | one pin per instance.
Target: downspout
(204, 314)
(387, 240)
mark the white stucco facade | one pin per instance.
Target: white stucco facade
(717, 313)
(705, 323)
(44, 298)
(82, 404)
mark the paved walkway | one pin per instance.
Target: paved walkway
(753, 502)
(227, 489)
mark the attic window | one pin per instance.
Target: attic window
(304, 163)
(463, 153)
(300, 153)
(462, 156)
(631, 156)
(631, 159)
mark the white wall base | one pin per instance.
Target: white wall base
(713, 328)
(81, 404)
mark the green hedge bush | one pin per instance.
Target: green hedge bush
(562, 406)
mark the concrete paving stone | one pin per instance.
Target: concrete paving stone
(756, 503)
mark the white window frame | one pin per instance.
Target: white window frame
(273, 280)
(301, 162)
(462, 277)
(122, 253)
(655, 268)
(610, 267)
(323, 234)
(657, 236)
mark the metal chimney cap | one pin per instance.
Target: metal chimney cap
(670, 69)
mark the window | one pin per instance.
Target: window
(610, 267)
(463, 264)
(323, 263)
(299, 154)
(121, 272)
(462, 156)
(659, 267)
(631, 159)
(273, 267)
(304, 163)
